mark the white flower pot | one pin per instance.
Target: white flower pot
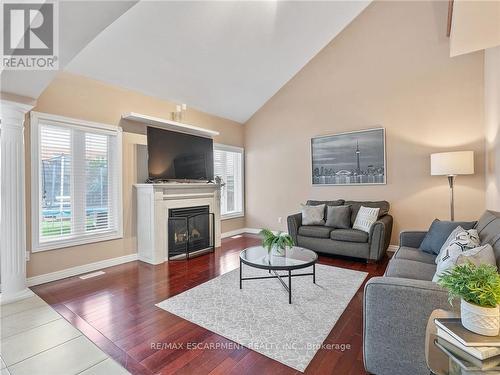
(482, 320)
(278, 251)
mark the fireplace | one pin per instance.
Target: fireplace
(190, 229)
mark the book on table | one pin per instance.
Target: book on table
(466, 360)
(479, 346)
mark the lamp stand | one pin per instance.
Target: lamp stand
(451, 182)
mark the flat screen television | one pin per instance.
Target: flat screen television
(179, 156)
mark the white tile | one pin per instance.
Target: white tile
(107, 367)
(69, 358)
(2, 363)
(28, 343)
(22, 305)
(23, 321)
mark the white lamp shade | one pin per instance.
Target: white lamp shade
(452, 163)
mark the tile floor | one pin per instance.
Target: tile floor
(35, 339)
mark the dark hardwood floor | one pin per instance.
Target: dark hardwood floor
(117, 312)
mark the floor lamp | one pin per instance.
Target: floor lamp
(452, 164)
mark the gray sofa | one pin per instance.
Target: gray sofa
(348, 242)
(398, 305)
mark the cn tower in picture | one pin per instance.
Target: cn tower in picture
(358, 169)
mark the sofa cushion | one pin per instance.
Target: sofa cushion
(450, 238)
(338, 202)
(439, 232)
(338, 217)
(464, 240)
(410, 269)
(488, 228)
(313, 215)
(356, 205)
(349, 235)
(318, 231)
(328, 246)
(411, 253)
(478, 255)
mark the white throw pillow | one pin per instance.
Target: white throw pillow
(313, 215)
(365, 218)
(465, 244)
(450, 238)
(465, 240)
(478, 255)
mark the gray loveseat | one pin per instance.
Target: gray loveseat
(398, 305)
(347, 242)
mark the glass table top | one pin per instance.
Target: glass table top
(295, 257)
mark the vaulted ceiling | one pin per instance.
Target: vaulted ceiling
(224, 58)
(80, 22)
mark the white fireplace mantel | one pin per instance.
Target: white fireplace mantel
(153, 204)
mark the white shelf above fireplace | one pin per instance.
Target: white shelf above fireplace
(170, 125)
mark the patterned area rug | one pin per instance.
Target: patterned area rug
(259, 316)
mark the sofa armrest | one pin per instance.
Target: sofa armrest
(294, 223)
(380, 237)
(395, 313)
(411, 238)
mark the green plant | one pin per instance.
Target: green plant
(280, 240)
(479, 285)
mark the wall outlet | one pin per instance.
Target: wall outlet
(27, 255)
(280, 219)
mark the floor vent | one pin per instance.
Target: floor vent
(93, 274)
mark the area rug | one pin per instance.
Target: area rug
(259, 316)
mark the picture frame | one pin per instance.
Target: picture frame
(349, 158)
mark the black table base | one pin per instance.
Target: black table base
(276, 275)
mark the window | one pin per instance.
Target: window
(76, 182)
(228, 165)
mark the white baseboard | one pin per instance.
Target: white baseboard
(73, 271)
(243, 230)
(392, 248)
(232, 233)
(257, 231)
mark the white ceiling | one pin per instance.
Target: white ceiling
(80, 22)
(225, 58)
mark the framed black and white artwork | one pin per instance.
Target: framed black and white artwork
(354, 158)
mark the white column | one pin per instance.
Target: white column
(12, 202)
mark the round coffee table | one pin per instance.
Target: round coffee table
(295, 258)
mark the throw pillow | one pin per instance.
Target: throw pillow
(365, 218)
(439, 232)
(465, 240)
(450, 238)
(478, 255)
(338, 217)
(313, 215)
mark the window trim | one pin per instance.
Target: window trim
(241, 150)
(82, 239)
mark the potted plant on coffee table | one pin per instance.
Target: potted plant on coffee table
(478, 287)
(276, 243)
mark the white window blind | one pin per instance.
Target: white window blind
(228, 165)
(76, 169)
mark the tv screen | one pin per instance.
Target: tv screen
(178, 156)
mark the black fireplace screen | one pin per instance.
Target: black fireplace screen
(190, 229)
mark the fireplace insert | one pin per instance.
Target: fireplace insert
(190, 229)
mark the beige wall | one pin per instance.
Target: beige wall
(475, 26)
(492, 120)
(390, 67)
(83, 98)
